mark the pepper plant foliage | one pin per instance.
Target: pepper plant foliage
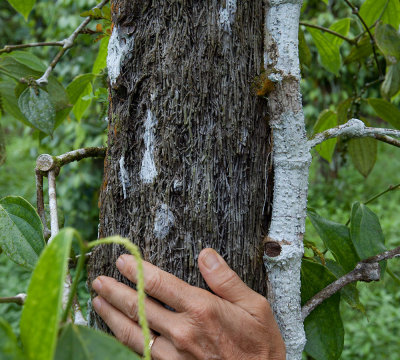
(353, 47)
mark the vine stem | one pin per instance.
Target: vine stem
(134, 250)
(350, 41)
(357, 13)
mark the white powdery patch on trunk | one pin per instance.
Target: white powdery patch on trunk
(123, 175)
(163, 222)
(227, 15)
(148, 171)
(291, 163)
(281, 23)
(119, 49)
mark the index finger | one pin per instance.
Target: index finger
(159, 284)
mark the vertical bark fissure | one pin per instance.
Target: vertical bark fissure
(291, 159)
(188, 143)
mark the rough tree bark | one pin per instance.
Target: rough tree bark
(188, 142)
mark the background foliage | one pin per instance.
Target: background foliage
(340, 80)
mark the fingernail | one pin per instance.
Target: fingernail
(97, 303)
(211, 261)
(120, 263)
(97, 285)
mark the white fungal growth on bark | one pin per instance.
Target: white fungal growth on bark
(282, 33)
(123, 175)
(163, 222)
(148, 171)
(227, 15)
(119, 48)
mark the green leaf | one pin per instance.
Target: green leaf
(101, 60)
(361, 51)
(342, 27)
(386, 111)
(24, 7)
(366, 232)
(349, 293)
(3, 153)
(83, 343)
(10, 103)
(326, 120)
(388, 41)
(21, 231)
(391, 85)
(28, 59)
(42, 310)
(9, 349)
(82, 104)
(76, 90)
(329, 52)
(371, 10)
(38, 109)
(391, 15)
(343, 111)
(363, 152)
(336, 238)
(323, 327)
(304, 50)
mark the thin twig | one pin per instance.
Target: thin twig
(17, 299)
(357, 13)
(9, 48)
(53, 205)
(350, 41)
(390, 188)
(355, 128)
(366, 270)
(67, 44)
(40, 202)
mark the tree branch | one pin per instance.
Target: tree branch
(67, 44)
(17, 299)
(366, 270)
(350, 41)
(355, 128)
(9, 48)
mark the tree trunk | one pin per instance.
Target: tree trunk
(188, 140)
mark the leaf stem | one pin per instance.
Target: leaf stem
(351, 41)
(393, 276)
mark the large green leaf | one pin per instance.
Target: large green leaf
(371, 10)
(323, 327)
(361, 51)
(101, 59)
(42, 310)
(342, 27)
(343, 111)
(391, 85)
(336, 238)
(366, 232)
(83, 343)
(363, 152)
(10, 102)
(329, 52)
(388, 40)
(391, 15)
(76, 90)
(37, 107)
(304, 50)
(326, 120)
(387, 111)
(21, 231)
(24, 7)
(9, 349)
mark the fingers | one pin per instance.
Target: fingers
(226, 283)
(130, 333)
(125, 299)
(159, 284)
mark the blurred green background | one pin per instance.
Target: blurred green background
(333, 187)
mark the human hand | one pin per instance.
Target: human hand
(236, 323)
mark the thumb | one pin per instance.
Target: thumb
(224, 281)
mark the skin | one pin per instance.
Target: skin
(235, 323)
